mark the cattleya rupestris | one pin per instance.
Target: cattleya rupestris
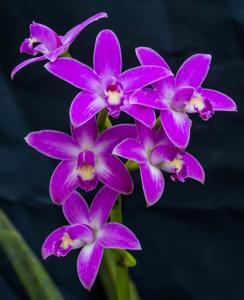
(89, 157)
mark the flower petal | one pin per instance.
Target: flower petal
(64, 239)
(139, 77)
(80, 234)
(63, 181)
(45, 35)
(193, 71)
(85, 106)
(182, 97)
(130, 149)
(177, 126)
(194, 168)
(109, 138)
(86, 134)
(163, 153)
(54, 144)
(49, 245)
(74, 72)
(72, 34)
(112, 172)
(115, 235)
(148, 97)
(76, 210)
(88, 264)
(166, 87)
(152, 183)
(102, 205)
(145, 115)
(148, 56)
(219, 100)
(26, 63)
(107, 54)
(146, 136)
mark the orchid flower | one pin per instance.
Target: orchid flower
(182, 94)
(46, 42)
(86, 158)
(106, 86)
(154, 153)
(88, 229)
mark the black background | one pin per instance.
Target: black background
(193, 239)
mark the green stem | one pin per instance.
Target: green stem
(108, 123)
(107, 273)
(30, 271)
(101, 119)
(131, 165)
(158, 122)
(122, 276)
(66, 54)
(116, 213)
(115, 263)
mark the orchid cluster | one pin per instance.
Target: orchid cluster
(89, 155)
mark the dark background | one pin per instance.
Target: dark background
(193, 239)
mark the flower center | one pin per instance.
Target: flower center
(86, 167)
(114, 98)
(87, 172)
(197, 103)
(173, 166)
(66, 241)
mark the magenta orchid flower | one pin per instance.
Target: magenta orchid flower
(154, 153)
(46, 42)
(88, 230)
(86, 158)
(175, 97)
(106, 86)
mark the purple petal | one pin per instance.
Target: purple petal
(54, 54)
(130, 149)
(86, 134)
(63, 181)
(193, 71)
(139, 77)
(76, 210)
(27, 47)
(194, 168)
(85, 106)
(115, 235)
(45, 35)
(80, 234)
(148, 97)
(112, 172)
(163, 153)
(49, 246)
(219, 100)
(26, 63)
(75, 73)
(88, 264)
(161, 138)
(109, 138)
(152, 183)
(166, 87)
(148, 56)
(143, 114)
(107, 54)
(61, 241)
(72, 34)
(53, 144)
(177, 126)
(146, 136)
(102, 205)
(182, 96)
